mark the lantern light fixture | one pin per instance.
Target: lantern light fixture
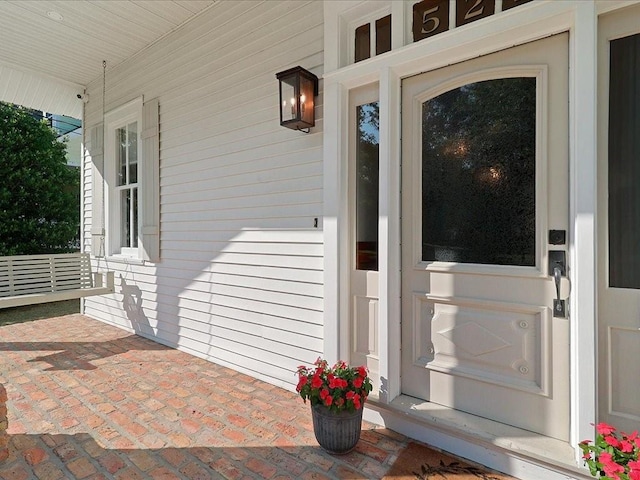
(298, 90)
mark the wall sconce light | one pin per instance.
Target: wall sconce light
(298, 89)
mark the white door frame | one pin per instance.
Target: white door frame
(527, 23)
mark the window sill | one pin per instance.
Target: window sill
(125, 260)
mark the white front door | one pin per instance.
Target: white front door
(619, 219)
(484, 202)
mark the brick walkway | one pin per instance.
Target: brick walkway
(90, 401)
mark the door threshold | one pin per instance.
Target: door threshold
(514, 451)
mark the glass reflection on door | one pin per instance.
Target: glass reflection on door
(479, 174)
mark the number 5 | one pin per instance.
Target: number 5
(435, 20)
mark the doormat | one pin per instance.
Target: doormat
(419, 462)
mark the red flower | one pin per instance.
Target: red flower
(610, 467)
(613, 441)
(634, 473)
(625, 446)
(316, 381)
(356, 402)
(357, 382)
(324, 393)
(350, 395)
(328, 401)
(362, 371)
(604, 429)
(301, 383)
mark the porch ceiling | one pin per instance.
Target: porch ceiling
(57, 46)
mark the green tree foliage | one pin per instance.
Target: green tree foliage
(39, 194)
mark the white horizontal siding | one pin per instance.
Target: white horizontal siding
(240, 277)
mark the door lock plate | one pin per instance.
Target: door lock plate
(559, 308)
(558, 258)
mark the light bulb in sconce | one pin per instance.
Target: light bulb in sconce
(303, 98)
(293, 107)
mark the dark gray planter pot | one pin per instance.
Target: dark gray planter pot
(337, 433)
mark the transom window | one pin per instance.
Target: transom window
(373, 37)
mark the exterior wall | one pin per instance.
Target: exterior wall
(240, 280)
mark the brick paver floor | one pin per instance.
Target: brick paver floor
(87, 400)
(90, 401)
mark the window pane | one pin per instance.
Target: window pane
(125, 218)
(363, 42)
(383, 35)
(134, 215)
(624, 163)
(288, 94)
(367, 148)
(133, 152)
(478, 174)
(121, 155)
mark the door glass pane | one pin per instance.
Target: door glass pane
(624, 163)
(478, 173)
(367, 147)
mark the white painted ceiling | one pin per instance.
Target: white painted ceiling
(60, 44)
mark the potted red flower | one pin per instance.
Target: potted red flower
(337, 397)
(612, 456)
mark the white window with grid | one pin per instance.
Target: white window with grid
(123, 162)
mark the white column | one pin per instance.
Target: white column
(389, 236)
(336, 284)
(583, 203)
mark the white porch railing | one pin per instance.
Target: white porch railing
(30, 279)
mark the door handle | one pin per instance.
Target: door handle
(557, 278)
(557, 267)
